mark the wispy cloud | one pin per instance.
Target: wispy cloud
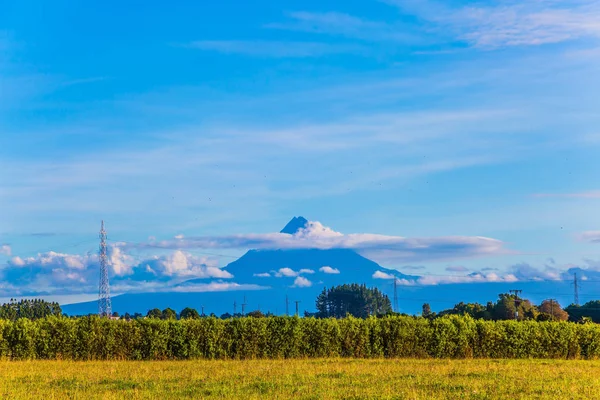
(521, 272)
(341, 24)
(277, 49)
(592, 194)
(510, 23)
(590, 236)
(413, 267)
(477, 277)
(457, 268)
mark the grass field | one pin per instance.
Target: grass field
(302, 379)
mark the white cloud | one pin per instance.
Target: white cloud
(287, 272)
(329, 270)
(262, 275)
(17, 261)
(53, 272)
(302, 282)
(184, 265)
(53, 259)
(377, 247)
(5, 250)
(306, 271)
(385, 275)
(180, 236)
(525, 271)
(290, 273)
(382, 275)
(121, 263)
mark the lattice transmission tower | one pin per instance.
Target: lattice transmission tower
(104, 302)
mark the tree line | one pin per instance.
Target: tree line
(508, 306)
(351, 299)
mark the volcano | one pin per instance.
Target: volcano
(277, 273)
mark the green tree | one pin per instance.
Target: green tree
(189, 313)
(474, 310)
(426, 310)
(591, 310)
(169, 313)
(353, 299)
(31, 309)
(154, 313)
(255, 314)
(508, 304)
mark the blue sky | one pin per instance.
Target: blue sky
(408, 118)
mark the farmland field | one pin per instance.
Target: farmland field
(307, 379)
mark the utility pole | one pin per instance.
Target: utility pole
(297, 302)
(234, 308)
(575, 289)
(395, 294)
(552, 307)
(517, 302)
(244, 306)
(202, 311)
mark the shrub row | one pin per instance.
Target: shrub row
(93, 338)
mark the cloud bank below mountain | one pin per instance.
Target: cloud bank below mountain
(380, 248)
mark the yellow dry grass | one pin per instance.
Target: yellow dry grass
(302, 379)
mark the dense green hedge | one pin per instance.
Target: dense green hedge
(91, 338)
